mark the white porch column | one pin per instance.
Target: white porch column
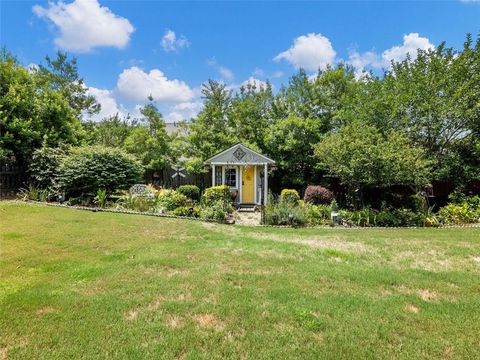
(213, 174)
(240, 183)
(265, 186)
(255, 190)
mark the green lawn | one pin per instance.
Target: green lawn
(78, 284)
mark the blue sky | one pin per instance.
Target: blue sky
(129, 49)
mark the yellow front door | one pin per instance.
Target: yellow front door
(247, 184)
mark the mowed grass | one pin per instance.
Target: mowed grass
(78, 284)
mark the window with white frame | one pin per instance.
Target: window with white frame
(231, 177)
(218, 176)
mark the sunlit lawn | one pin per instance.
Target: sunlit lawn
(78, 284)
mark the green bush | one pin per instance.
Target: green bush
(183, 211)
(316, 214)
(216, 194)
(455, 214)
(289, 196)
(136, 202)
(44, 167)
(215, 211)
(284, 213)
(190, 191)
(87, 169)
(169, 200)
(388, 219)
(464, 210)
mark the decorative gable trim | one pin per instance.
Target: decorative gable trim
(239, 155)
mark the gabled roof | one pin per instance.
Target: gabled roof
(239, 154)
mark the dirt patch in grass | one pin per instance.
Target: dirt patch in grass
(448, 352)
(412, 308)
(3, 353)
(131, 315)
(208, 321)
(174, 321)
(424, 294)
(320, 242)
(46, 310)
(427, 295)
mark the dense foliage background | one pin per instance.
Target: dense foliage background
(417, 123)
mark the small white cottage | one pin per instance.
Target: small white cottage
(244, 170)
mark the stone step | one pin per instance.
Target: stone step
(246, 208)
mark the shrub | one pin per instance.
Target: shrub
(136, 202)
(87, 169)
(215, 211)
(169, 200)
(182, 211)
(44, 167)
(190, 191)
(388, 219)
(317, 194)
(452, 214)
(364, 217)
(464, 210)
(289, 196)
(284, 213)
(316, 214)
(216, 194)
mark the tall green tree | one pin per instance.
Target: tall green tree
(362, 156)
(250, 114)
(290, 143)
(61, 74)
(434, 100)
(110, 132)
(31, 113)
(148, 141)
(211, 131)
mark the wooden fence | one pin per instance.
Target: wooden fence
(12, 178)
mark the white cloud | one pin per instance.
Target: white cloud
(224, 72)
(85, 24)
(360, 61)
(170, 42)
(253, 81)
(184, 111)
(411, 43)
(106, 99)
(311, 52)
(135, 84)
